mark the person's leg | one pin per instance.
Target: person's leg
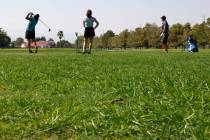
(29, 46)
(166, 47)
(163, 46)
(85, 44)
(165, 41)
(34, 41)
(36, 51)
(90, 44)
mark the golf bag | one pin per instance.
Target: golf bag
(192, 44)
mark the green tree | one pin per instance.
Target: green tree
(19, 41)
(124, 38)
(176, 35)
(115, 41)
(79, 42)
(43, 38)
(151, 35)
(97, 43)
(64, 44)
(105, 39)
(208, 30)
(60, 36)
(5, 40)
(208, 21)
(199, 31)
(187, 32)
(136, 38)
(51, 43)
(12, 44)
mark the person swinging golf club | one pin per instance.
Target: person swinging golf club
(30, 31)
(89, 33)
(165, 33)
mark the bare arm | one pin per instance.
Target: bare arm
(97, 24)
(29, 16)
(84, 23)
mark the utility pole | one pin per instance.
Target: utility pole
(204, 19)
(77, 42)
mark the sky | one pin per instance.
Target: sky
(117, 15)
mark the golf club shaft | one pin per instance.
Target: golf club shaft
(44, 23)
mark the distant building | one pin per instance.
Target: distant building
(40, 44)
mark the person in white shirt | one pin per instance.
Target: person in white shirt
(89, 33)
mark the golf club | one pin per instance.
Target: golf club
(45, 24)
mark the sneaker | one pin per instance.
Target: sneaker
(30, 51)
(89, 52)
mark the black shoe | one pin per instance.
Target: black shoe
(30, 51)
(89, 52)
(84, 52)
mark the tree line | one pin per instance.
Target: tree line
(5, 41)
(149, 37)
(141, 37)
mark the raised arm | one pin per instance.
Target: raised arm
(97, 23)
(29, 16)
(84, 23)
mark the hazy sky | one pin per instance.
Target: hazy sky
(67, 15)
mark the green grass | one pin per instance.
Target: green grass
(60, 94)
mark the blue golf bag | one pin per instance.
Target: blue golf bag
(192, 44)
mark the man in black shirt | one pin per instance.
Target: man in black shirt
(165, 33)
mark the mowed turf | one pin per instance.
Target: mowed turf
(60, 94)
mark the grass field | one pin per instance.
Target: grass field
(60, 94)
